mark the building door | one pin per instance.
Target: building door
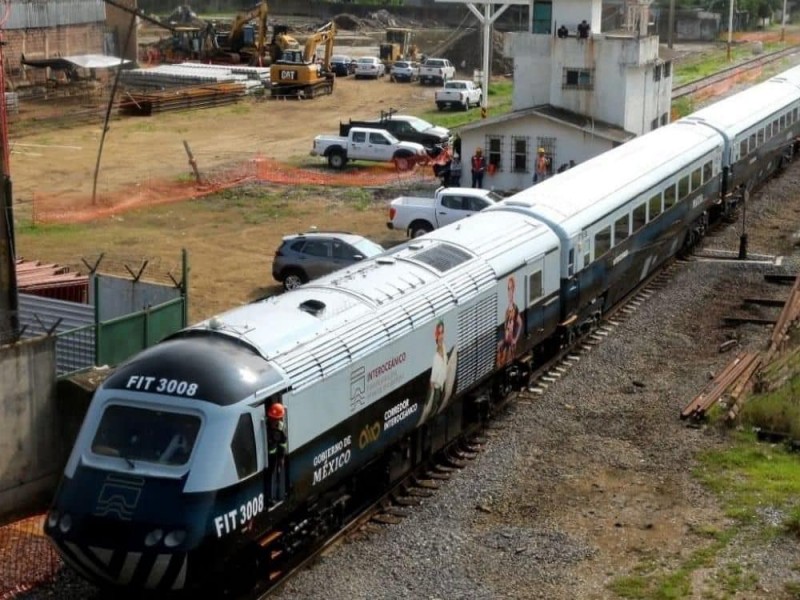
(542, 17)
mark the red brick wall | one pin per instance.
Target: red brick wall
(47, 43)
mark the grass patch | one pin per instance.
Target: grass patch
(777, 411)
(682, 107)
(715, 61)
(649, 584)
(749, 476)
(500, 94)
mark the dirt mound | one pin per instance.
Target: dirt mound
(465, 51)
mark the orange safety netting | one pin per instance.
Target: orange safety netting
(72, 208)
(26, 557)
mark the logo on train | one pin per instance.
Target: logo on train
(369, 434)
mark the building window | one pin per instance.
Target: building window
(495, 145)
(578, 79)
(664, 119)
(657, 73)
(667, 68)
(654, 124)
(521, 149)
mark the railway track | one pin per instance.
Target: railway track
(396, 504)
(693, 87)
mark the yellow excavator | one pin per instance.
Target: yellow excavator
(299, 73)
(246, 40)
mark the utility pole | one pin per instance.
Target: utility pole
(9, 295)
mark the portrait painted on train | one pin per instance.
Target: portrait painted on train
(510, 328)
(443, 374)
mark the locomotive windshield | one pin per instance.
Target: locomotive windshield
(152, 436)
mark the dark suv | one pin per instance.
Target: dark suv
(406, 128)
(306, 256)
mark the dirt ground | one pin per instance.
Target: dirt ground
(230, 264)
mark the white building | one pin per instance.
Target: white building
(575, 97)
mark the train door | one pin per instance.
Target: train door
(275, 442)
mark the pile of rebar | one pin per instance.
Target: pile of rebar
(198, 96)
(748, 368)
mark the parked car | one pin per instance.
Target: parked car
(343, 65)
(369, 66)
(436, 70)
(458, 93)
(404, 70)
(417, 215)
(306, 256)
(366, 143)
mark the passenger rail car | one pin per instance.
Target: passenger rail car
(231, 446)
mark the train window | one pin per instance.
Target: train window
(794, 116)
(782, 123)
(752, 143)
(669, 197)
(243, 447)
(571, 261)
(138, 434)
(621, 229)
(534, 287)
(760, 138)
(639, 217)
(775, 127)
(683, 187)
(655, 206)
(789, 118)
(602, 242)
(697, 178)
(708, 172)
(742, 148)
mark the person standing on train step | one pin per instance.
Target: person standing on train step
(478, 168)
(276, 447)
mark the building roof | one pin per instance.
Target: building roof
(559, 115)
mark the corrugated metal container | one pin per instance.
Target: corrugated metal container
(32, 14)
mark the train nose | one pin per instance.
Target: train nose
(148, 570)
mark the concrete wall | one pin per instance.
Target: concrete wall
(32, 450)
(622, 69)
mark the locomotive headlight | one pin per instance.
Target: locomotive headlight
(152, 538)
(175, 538)
(65, 524)
(52, 519)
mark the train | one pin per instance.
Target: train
(225, 451)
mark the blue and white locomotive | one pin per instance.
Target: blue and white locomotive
(174, 481)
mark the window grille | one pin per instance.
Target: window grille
(577, 79)
(521, 151)
(495, 153)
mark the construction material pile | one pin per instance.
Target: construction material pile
(188, 85)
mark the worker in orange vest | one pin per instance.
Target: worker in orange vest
(541, 169)
(478, 168)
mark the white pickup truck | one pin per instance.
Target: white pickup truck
(364, 143)
(458, 93)
(436, 70)
(418, 215)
